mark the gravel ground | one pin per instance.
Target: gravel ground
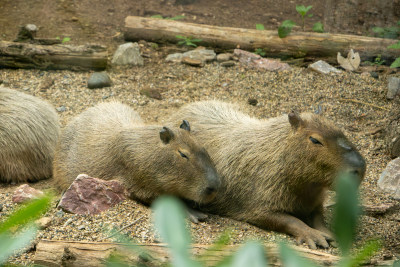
(355, 102)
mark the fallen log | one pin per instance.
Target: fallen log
(71, 253)
(297, 44)
(26, 55)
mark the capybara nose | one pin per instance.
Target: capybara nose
(356, 164)
(210, 190)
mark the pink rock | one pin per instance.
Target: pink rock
(88, 195)
(24, 193)
(256, 61)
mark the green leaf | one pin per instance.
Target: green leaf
(26, 213)
(291, 258)
(66, 39)
(169, 220)
(365, 253)
(318, 27)
(180, 37)
(378, 30)
(260, 27)
(250, 255)
(302, 10)
(218, 245)
(285, 28)
(396, 63)
(10, 243)
(395, 46)
(177, 17)
(158, 16)
(196, 40)
(347, 211)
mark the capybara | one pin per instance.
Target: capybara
(29, 129)
(274, 172)
(110, 141)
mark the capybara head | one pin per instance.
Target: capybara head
(323, 150)
(193, 175)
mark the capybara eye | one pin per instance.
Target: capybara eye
(183, 155)
(315, 141)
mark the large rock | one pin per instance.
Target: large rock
(25, 193)
(88, 195)
(99, 80)
(128, 54)
(390, 179)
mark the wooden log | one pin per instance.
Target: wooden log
(71, 253)
(25, 55)
(297, 44)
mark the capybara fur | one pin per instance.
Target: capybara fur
(110, 141)
(29, 129)
(274, 172)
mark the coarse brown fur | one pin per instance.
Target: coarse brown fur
(29, 129)
(110, 141)
(273, 174)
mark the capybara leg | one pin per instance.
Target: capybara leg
(289, 224)
(196, 216)
(317, 222)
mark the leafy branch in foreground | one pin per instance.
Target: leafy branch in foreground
(169, 217)
(18, 230)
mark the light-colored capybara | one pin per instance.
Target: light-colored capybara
(274, 172)
(29, 129)
(110, 141)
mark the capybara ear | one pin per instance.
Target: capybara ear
(295, 120)
(166, 135)
(185, 125)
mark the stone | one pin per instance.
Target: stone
(27, 33)
(43, 222)
(205, 55)
(128, 54)
(99, 80)
(1, 207)
(152, 93)
(224, 57)
(256, 61)
(46, 84)
(193, 61)
(88, 195)
(245, 56)
(389, 180)
(374, 74)
(25, 193)
(393, 87)
(61, 109)
(229, 63)
(351, 63)
(252, 101)
(323, 67)
(176, 57)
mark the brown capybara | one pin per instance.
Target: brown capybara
(110, 141)
(29, 129)
(274, 172)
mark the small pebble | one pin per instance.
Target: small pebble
(252, 101)
(61, 109)
(374, 74)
